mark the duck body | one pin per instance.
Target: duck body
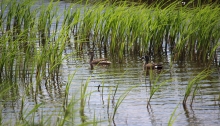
(102, 61)
(151, 65)
(148, 66)
(158, 66)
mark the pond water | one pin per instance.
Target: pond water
(133, 110)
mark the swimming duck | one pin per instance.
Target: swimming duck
(151, 65)
(92, 61)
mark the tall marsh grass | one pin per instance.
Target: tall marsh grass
(33, 38)
(135, 29)
(121, 28)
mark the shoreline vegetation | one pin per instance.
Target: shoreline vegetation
(118, 29)
(33, 40)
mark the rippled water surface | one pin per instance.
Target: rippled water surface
(133, 110)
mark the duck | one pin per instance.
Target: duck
(151, 65)
(102, 61)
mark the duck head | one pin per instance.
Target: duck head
(146, 58)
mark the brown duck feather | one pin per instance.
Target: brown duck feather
(150, 65)
(102, 61)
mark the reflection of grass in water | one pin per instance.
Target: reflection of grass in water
(193, 85)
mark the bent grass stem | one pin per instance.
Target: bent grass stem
(194, 83)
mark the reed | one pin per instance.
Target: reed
(1, 117)
(83, 100)
(114, 27)
(68, 116)
(124, 27)
(34, 115)
(108, 105)
(155, 85)
(120, 100)
(173, 116)
(44, 23)
(119, 29)
(65, 101)
(193, 85)
(3, 8)
(29, 118)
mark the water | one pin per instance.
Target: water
(133, 110)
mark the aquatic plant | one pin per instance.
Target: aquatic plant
(33, 41)
(108, 104)
(173, 116)
(83, 100)
(171, 21)
(116, 29)
(193, 86)
(120, 100)
(154, 84)
(34, 115)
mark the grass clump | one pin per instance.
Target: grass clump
(120, 28)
